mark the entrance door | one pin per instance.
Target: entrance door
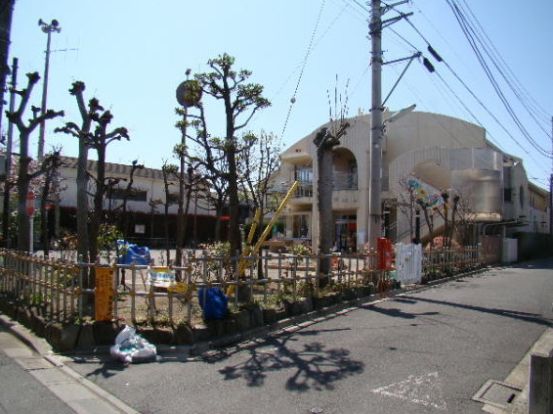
(346, 231)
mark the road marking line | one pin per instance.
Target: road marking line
(425, 390)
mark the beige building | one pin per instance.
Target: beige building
(440, 152)
(145, 209)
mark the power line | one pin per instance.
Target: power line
(307, 53)
(531, 101)
(501, 67)
(540, 150)
(457, 97)
(469, 35)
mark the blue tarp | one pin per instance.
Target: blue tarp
(129, 253)
(213, 302)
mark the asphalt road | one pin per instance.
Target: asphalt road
(424, 352)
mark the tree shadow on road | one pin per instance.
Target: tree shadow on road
(395, 312)
(108, 367)
(314, 366)
(523, 316)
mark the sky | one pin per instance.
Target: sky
(132, 56)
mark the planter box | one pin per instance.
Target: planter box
(86, 337)
(216, 328)
(242, 319)
(156, 335)
(256, 317)
(350, 294)
(201, 333)
(273, 315)
(325, 301)
(105, 332)
(183, 335)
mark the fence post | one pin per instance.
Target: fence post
(133, 294)
(189, 284)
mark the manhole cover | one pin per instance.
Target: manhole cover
(497, 393)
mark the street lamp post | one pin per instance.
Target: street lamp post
(189, 94)
(47, 28)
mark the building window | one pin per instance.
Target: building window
(521, 194)
(300, 226)
(304, 174)
(507, 195)
(173, 198)
(133, 195)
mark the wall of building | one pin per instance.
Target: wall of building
(414, 132)
(153, 186)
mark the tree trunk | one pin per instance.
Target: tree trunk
(82, 202)
(44, 213)
(23, 223)
(98, 203)
(326, 219)
(218, 215)
(234, 229)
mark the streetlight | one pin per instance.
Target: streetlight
(189, 94)
(47, 28)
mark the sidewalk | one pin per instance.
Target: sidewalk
(62, 390)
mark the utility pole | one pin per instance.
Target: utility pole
(5, 32)
(54, 26)
(551, 186)
(188, 94)
(7, 186)
(374, 226)
(375, 185)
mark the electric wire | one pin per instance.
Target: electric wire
(471, 113)
(466, 30)
(530, 100)
(517, 121)
(489, 49)
(315, 44)
(307, 53)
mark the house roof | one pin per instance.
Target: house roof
(115, 168)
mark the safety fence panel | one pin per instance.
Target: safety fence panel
(408, 263)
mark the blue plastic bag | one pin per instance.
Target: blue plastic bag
(213, 302)
(139, 255)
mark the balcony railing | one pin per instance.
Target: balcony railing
(341, 182)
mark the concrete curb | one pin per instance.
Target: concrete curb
(284, 326)
(25, 335)
(292, 324)
(44, 350)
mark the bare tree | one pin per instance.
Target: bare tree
(82, 132)
(127, 193)
(209, 157)
(153, 204)
(261, 161)
(23, 175)
(100, 140)
(325, 140)
(241, 101)
(170, 173)
(50, 166)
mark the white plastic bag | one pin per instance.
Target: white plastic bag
(131, 347)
